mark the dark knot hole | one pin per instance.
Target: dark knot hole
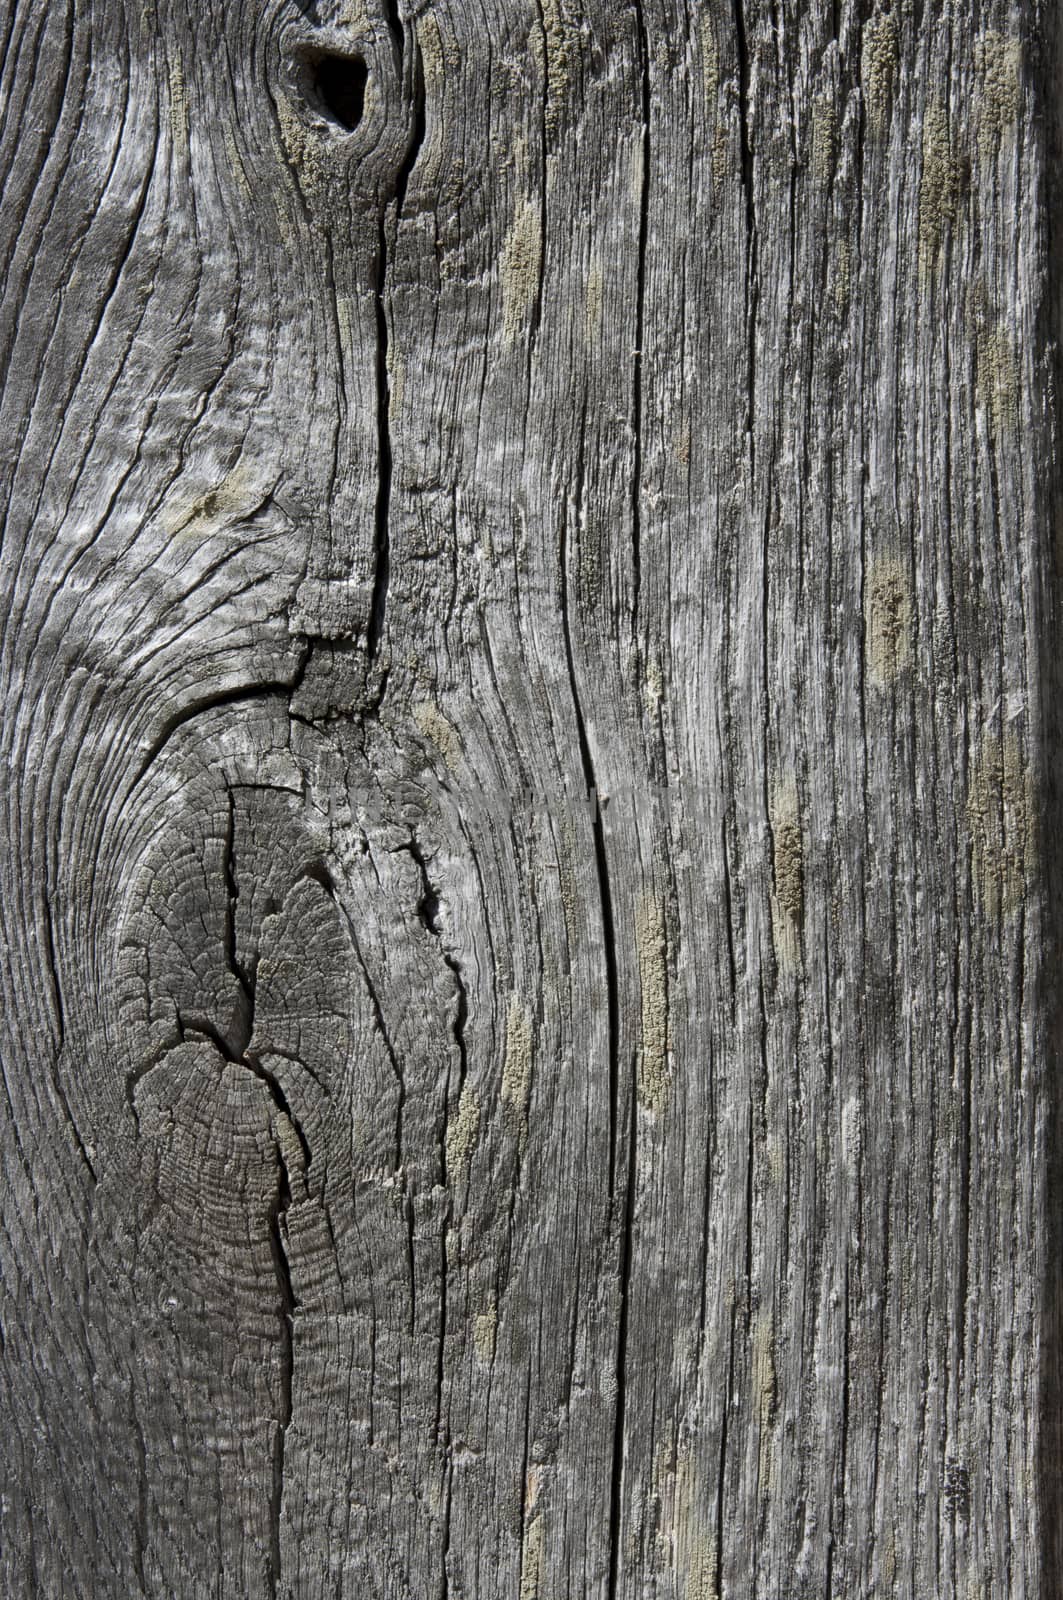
(338, 83)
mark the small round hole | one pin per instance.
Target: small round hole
(339, 84)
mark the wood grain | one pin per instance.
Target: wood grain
(529, 878)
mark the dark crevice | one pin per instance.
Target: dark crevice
(140, 1526)
(288, 1301)
(52, 964)
(441, 1341)
(722, 1468)
(418, 128)
(605, 899)
(640, 310)
(317, 872)
(415, 139)
(382, 569)
(395, 29)
(428, 906)
(338, 83)
(752, 288)
(616, 1487)
(444, 1576)
(243, 1022)
(461, 1017)
(287, 1305)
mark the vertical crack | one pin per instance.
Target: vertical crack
(605, 899)
(752, 286)
(286, 1307)
(235, 1049)
(382, 569)
(609, 947)
(392, 210)
(52, 964)
(616, 1487)
(243, 1022)
(722, 1469)
(640, 309)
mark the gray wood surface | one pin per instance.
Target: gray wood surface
(530, 877)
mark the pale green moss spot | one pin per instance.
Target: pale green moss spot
(701, 1569)
(435, 727)
(879, 56)
(197, 516)
(998, 61)
(595, 301)
(939, 185)
(997, 379)
(558, 40)
(710, 59)
(841, 278)
(1000, 821)
(462, 1133)
(304, 151)
(824, 137)
(521, 269)
(484, 1333)
(237, 168)
(178, 112)
(653, 688)
(516, 1067)
(887, 620)
(652, 945)
(531, 1558)
(720, 157)
(788, 892)
(764, 1390)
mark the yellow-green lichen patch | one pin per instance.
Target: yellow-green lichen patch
(178, 112)
(710, 59)
(1000, 821)
(484, 1333)
(195, 516)
(879, 55)
(435, 727)
(237, 168)
(997, 379)
(939, 185)
(998, 61)
(887, 620)
(590, 565)
(304, 150)
(841, 277)
(701, 1569)
(652, 945)
(531, 1558)
(462, 1133)
(824, 137)
(683, 1545)
(516, 1068)
(653, 686)
(595, 301)
(788, 873)
(437, 54)
(521, 269)
(764, 1391)
(720, 157)
(558, 39)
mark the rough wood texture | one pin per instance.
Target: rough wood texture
(420, 1179)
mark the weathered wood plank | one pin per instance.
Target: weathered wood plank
(529, 890)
